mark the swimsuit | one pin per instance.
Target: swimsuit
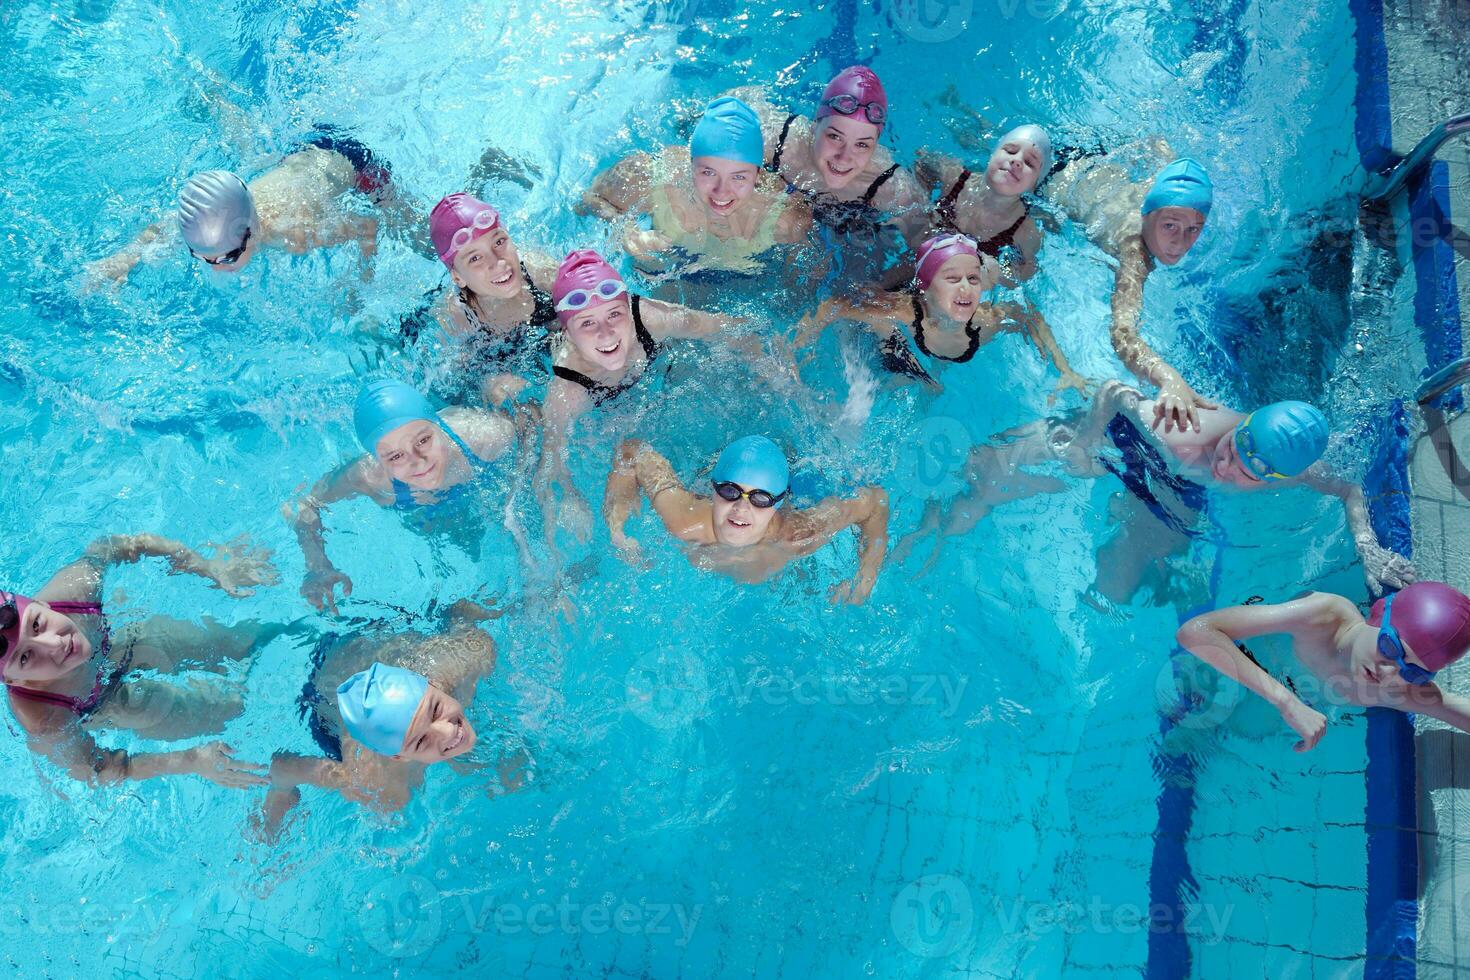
(898, 358)
(844, 217)
(600, 392)
(403, 494)
(492, 348)
(373, 174)
(327, 738)
(1144, 468)
(992, 246)
(732, 254)
(82, 707)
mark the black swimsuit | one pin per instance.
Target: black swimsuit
(900, 360)
(843, 217)
(497, 347)
(600, 392)
(992, 246)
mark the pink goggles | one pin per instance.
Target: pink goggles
(580, 299)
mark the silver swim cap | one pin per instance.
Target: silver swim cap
(1036, 136)
(215, 209)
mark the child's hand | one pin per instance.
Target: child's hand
(216, 762)
(1311, 725)
(237, 567)
(319, 588)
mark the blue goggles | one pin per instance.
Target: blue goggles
(1390, 647)
(1245, 447)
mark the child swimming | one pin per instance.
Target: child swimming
(742, 531)
(707, 201)
(417, 460)
(945, 295)
(1387, 660)
(68, 674)
(225, 222)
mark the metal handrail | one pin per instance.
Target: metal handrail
(1450, 376)
(1381, 186)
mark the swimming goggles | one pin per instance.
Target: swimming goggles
(9, 616)
(1255, 464)
(579, 299)
(847, 105)
(946, 242)
(229, 258)
(483, 222)
(1391, 647)
(758, 498)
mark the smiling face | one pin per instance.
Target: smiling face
(1171, 232)
(48, 645)
(739, 523)
(603, 334)
(439, 730)
(1014, 168)
(489, 266)
(842, 147)
(416, 454)
(720, 185)
(955, 288)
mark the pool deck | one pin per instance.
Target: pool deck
(1429, 79)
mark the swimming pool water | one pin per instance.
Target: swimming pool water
(959, 778)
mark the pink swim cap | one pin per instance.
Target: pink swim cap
(1433, 619)
(455, 213)
(939, 250)
(581, 269)
(11, 633)
(861, 85)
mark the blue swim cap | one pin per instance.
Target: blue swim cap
(383, 406)
(378, 704)
(1182, 184)
(1281, 440)
(756, 462)
(729, 130)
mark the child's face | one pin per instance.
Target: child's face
(49, 645)
(1226, 466)
(843, 147)
(603, 334)
(1171, 232)
(723, 185)
(1014, 168)
(740, 523)
(416, 454)
(489, 266)
(955, 288)
(439, 731)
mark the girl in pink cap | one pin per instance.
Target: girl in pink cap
(854, 185)
(711, 200)
(499, 311)
(610, 339)
(943, 310)
(68, 671)
(1387, 659)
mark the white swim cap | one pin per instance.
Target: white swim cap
(1036, 136)
(215, 210)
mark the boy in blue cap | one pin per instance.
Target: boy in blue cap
(418, 459)
(741, 530)
(1140, 227)
(706, 201)
(1166, 471)
(399, 706)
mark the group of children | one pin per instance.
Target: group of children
(543, 347)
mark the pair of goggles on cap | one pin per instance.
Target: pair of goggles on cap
(579, 299)
(482, 223)
(1391, 647)
(1255, 464)
(230, 257)
(946, 242)
(847, 105)
(758, 498)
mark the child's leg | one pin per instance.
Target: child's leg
(170, 645)
(167, 710)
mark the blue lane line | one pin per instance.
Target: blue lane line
(1437, 295)
(1374, 126)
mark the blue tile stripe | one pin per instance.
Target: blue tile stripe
(1436, 294)
(1374, 128)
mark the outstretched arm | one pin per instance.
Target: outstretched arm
(1212, 637)
(115, 268)
(236, 568)
(638, 470)
(1038, 331)
(75, 751)
(322, 577)
(1453, 709)
(620, 189)
(564, 403)
(1177, 403)
(1384, 570)
(673, 320)
(868, 512)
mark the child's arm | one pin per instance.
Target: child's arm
(1038, 331)
(1177, 402)
(75, 751)
(869, 514)
(565, 402)
(322, 577)
(1384, 570)
(1212, 637)
(638, 469)
(673, 320)
(236, 568)
(1431, 700)
(117, 267)
(619, 189)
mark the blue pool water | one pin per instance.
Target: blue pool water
(960, 778)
